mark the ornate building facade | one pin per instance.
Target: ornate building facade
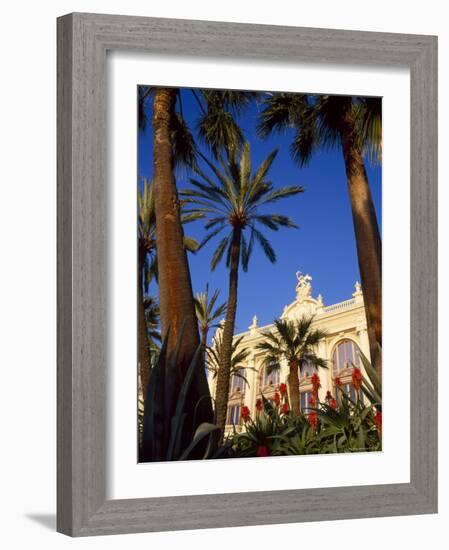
(346, 333)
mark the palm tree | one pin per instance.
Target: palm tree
(238, 358)
(207, 315)
(231, 200)
(173, 144)
(355, 125)
(177, 309)
(147, 271)
(293, 341)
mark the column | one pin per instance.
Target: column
(250, 392)
(324, 374)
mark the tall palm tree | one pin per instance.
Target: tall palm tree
(207, 315)
(173, 144)
(231, 199)
(177, 309)
(355, 125)
(147, 271)
(293, 341)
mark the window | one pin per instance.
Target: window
(304, 403)
(237, 383)
(307, 369)
(345, 354)
(271, 379)
(233, 414)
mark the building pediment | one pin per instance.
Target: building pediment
(305, 304)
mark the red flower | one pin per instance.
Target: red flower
(259, 405)
(378, 421)
(277, 399)
(313, 419)
(285, 408)
(338, 382)
(357, 378)
(245, 413)
(262, 450)
(331, 400)
(315, 383)
(312, 401)
(283, 389)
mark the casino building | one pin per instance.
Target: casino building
(346, 334)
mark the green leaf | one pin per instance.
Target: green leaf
(202, 431)
(176, 431)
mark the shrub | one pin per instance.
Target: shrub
(326, 427)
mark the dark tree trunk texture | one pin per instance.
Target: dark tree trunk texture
(293, 387)
(204, 331)
(224, 371)
(175, 287)
(369, 247)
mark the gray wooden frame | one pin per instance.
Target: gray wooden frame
(83, 40)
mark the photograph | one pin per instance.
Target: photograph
(259, 277)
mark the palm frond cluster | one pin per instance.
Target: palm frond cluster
(322, 121)
(232, 197)
(292, 340)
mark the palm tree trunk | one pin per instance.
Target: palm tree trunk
(224, 371)
(369, 247)
(176, 302)
(293, 388)
(204, 331)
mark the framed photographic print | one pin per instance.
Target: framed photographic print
(247, 280)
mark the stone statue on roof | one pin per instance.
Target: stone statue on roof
(303, 288)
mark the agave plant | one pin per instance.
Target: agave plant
(168, 431)
(372, 387)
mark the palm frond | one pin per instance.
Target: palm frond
(368, 114)
(231, 197)
(219, 251)
(265, 244)
(183, 143)
(290, 340)
(191, 244)
(279, 112)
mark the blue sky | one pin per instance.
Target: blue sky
(323, 246)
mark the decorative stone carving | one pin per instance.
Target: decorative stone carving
(253, 326)
(357, 294)
(303, 288)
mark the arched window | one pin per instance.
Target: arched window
(237, 382)
(345, 355)
(307, 369)
(271, 379)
